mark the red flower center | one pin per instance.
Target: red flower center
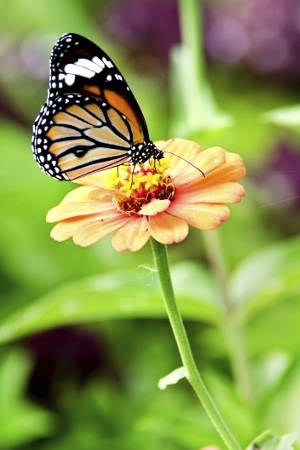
(146, 186)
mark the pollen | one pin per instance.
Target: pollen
(139, 186)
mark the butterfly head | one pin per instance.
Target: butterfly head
(140, 153)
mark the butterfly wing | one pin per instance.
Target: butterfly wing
(79, 66)
(91, 119)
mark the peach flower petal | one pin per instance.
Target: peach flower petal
(233, 170)
(95, 230)
(95, 179)
(221, 193)
(68, 228)
(168, 229)
(206, 162)
(212, 159)
(183, 153)
(67, 210)
(86, 193)
(154, 207)
(64, 230)
(132, 236)
(183, 147)
(202, 216)
(80, 194)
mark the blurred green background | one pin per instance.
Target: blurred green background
(83, 331)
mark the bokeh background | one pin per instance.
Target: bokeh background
(83, 331)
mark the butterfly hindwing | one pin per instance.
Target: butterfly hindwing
(85, 135)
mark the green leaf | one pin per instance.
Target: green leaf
(267, 277)
(282, 412)
(20, 421)
(268, 441)
(116, 295)
(289, 116)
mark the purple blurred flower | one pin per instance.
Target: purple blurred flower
(64, 356)
(263, 35)
(279, 186)
(148, 28)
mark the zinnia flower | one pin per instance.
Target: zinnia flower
(160, 199)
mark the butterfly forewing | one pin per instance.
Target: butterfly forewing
(79, 66)
(91, 120)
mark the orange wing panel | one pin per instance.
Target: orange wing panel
(120, 103)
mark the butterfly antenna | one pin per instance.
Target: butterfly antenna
(183, 159)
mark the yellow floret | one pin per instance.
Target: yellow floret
(151, 173)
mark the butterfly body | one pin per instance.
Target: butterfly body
(91, 121)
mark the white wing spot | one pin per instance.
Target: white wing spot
(84, 68)
(70, 78)
(91, 65)
(73, 69)
(98, 61)
(108, 63)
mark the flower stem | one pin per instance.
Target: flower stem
(188, 70)
(191, 36)
(162, 265)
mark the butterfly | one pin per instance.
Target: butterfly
(91, 121)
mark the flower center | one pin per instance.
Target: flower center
(150, 180)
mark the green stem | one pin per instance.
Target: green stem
(230, 321)
(193, 376)
(190, 66)
(191, 37)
